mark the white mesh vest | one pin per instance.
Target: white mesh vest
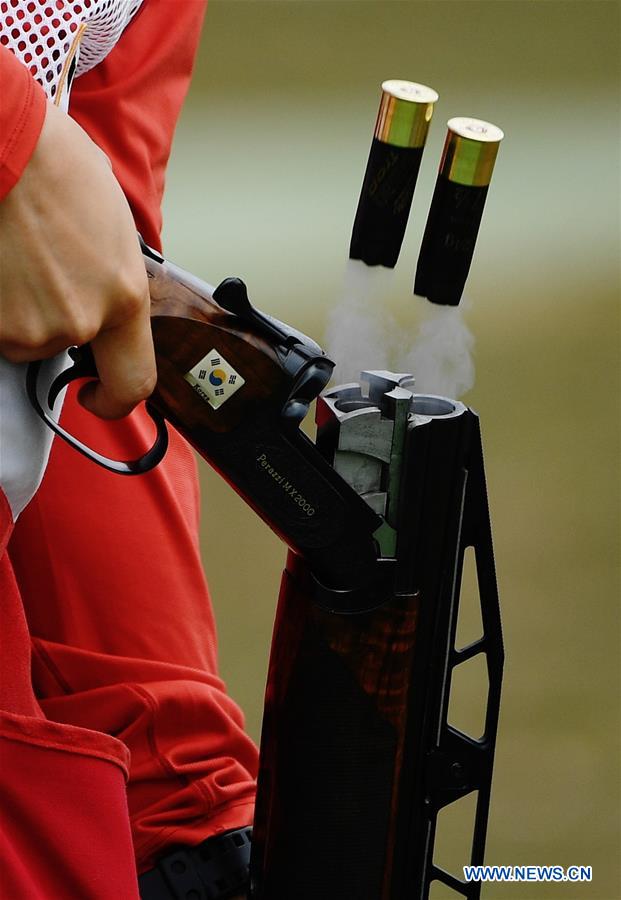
(58, 39)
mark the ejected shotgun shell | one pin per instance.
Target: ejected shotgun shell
(386, 197)
(456, 209)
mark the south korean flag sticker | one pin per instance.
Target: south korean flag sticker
(214, 379)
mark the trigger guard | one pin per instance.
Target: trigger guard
(83, 367)
(122, 467)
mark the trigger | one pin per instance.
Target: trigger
(83, 367)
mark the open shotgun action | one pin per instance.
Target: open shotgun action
(377, 515)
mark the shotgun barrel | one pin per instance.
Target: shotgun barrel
(357, 755)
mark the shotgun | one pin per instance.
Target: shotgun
(357, 756)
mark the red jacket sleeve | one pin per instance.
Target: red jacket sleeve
(129, 103)
(22, 111)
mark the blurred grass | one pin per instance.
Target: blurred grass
(263, 183)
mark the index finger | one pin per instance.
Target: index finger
(125, 361)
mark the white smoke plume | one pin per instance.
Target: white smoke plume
(441, 355)
(359, 331)
(362, 334)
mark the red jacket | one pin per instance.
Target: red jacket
(103, 580)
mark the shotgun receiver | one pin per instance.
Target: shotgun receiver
(237, 384)
(357, 755)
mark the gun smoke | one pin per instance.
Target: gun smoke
(359, 330)
(363, 334)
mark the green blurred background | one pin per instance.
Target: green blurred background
(263, 183)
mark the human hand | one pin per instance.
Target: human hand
(71, 270)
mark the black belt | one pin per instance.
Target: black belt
(214, 870)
